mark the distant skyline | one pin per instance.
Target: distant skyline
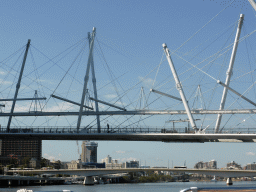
(131, 34)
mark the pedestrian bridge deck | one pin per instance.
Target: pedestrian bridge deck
(129, 134)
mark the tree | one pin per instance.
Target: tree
(25, 161)
(44, 162)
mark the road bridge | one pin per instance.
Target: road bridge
(89, 173)
(105, 171)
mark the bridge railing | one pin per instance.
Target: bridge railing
(70, 130)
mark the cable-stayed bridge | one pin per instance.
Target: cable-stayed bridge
(232, 121)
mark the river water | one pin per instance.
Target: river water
(147, 187)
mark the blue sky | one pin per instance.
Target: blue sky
(130, 33)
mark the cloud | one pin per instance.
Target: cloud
(51, 158)
(120, 152)
(110, 96)
(3, 82)
(19, 108)
(2, 73)
(250, 153)
(147, 82)
(62, 106)
(124, 152)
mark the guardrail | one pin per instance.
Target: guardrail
(66, 129)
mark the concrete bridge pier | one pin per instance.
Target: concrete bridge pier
(229, 181)
(88, 180)
(43, 181)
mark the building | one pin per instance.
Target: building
(20, 149)
(131, 164)
(34, 163)
(107, 160)
(111, 163)
(199, 165)
(89, 152)
(206, 165)
(75, 164)
(233, 165)
(114, 164)
(212, 164)
(93, 165)
(250, 166)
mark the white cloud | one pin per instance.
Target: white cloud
(61, 106)
(50, 157)
(147, 82)
(119, 152)
(3, 82)
(110, 96)
(120, 104)
(2, 73)
(250, 153)
(20, 108)
(124, 152)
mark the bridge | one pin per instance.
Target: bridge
(89, 173)
(129, 134)
(94, 130)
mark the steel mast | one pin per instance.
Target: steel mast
(179, 87)
(229, 72)
(95, 89)
(86, 78)
(253, 4)
(18, 86)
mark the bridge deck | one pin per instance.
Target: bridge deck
(129, 134)
(165, 137)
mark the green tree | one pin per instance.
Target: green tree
(44, 162)
(25, 161)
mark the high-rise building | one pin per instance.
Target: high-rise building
(107, 160)
(89, 152)
(251, 166)
(206, 165)
(20, 149)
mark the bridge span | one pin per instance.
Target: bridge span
(89, 173)
(105, 171)
(164, 137)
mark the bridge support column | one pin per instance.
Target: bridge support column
(9, 182)
(88, 180)
(18, 182)
(229, 181)
(27, 182)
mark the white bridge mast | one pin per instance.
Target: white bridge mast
(94, 88)
(179, 87)
(86, 78)
(229, 72)
(18, 86)
(253, 4)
